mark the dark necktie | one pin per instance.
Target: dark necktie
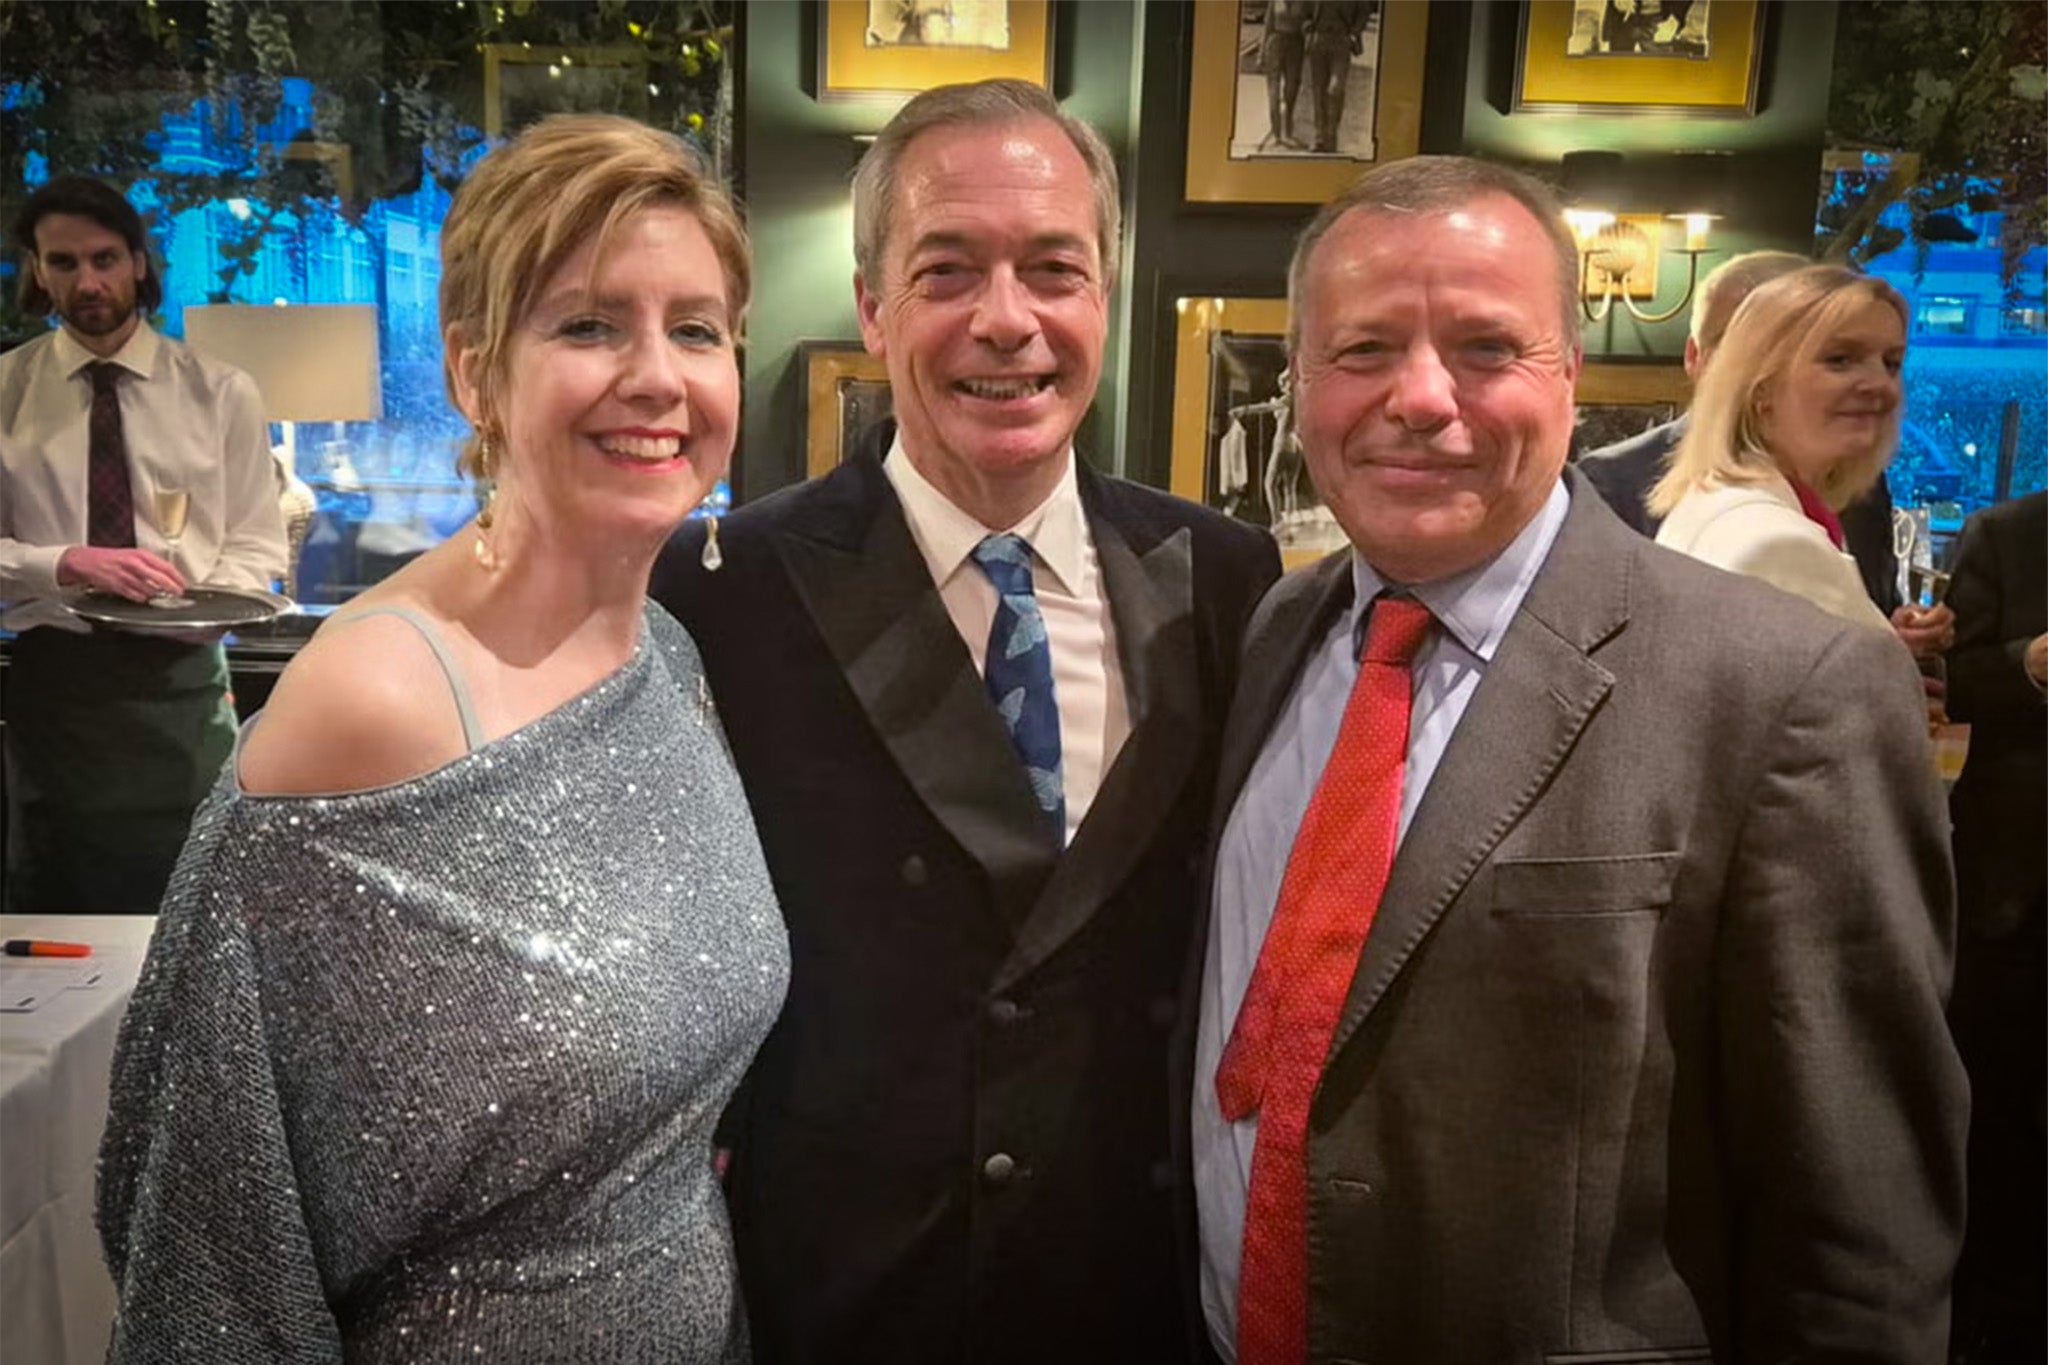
(1018, 673)
(110, 502)
(1328, 897)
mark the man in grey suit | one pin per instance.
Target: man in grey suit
(1635, 1049)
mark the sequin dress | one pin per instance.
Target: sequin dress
(429, 1072)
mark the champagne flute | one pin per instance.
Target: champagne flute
(172, 505)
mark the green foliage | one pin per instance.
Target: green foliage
(397, 82)
(1964, 85)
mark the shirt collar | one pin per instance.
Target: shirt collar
(137, 354)
(1475, 607)
(946, 535)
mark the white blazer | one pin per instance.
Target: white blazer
(1758, 529)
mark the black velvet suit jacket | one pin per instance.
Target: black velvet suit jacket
(2000, 596)
(953, 1145)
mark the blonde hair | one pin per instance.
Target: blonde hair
(528, 207)
(1777, 328)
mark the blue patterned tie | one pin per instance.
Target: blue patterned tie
(1018, 673)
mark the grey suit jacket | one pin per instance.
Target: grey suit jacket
(1644, 1057)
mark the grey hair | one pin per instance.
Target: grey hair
(978, 104)
(1729, 283)
(1439, 184)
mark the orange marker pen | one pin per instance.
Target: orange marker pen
(42, 947)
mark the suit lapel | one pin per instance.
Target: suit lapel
(1297, 612)
(1151, 601)
(869, 593)
(1528, 712)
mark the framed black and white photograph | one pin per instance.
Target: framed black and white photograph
(1289, 101)
(939, 23)
(1304, 80)
(1640, 28)
(1234, 445)
(846, 391)
(1690, 58)
(892, 49)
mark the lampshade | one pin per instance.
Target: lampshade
(314, 362)
(1702, 183)
(1594, 180)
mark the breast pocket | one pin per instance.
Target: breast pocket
(1627, 885)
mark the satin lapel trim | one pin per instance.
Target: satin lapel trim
(880, 615)
(1531, 707)
(1152, 602)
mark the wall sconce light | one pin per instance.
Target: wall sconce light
(1618, 255)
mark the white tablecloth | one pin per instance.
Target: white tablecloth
(56, 1301)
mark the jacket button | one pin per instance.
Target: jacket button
(914, 871)
(999, 1169)
(1162, 1010)
(1004, 1011)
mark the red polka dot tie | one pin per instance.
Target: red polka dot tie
(1335, 874)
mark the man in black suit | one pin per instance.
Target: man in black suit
(954, 1145)
(1998, 683)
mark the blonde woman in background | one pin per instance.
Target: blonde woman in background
(1797, 415)
(474, 939)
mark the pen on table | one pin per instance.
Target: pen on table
(42, 947)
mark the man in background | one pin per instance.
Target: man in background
(1998, 685)
(1625, 471)
(1582, 915)
(974, 689)
(109, 433)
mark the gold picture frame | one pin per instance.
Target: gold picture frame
(855, 63)
(1216, 174)
(1227, 349)
(845, 391)
(516, 74)
(1551, 77)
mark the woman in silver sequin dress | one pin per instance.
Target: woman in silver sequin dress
(474, 939)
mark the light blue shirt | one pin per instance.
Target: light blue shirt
(1473, 610)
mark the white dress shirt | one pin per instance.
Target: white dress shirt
(1066, 576)
(191, 423)
(1473, 611)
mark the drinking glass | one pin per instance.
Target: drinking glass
(172, 505)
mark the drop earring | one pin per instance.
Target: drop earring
(486, 555)
(714, 558)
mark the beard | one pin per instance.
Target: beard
(100, 317)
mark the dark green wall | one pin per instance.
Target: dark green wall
(1123, 64)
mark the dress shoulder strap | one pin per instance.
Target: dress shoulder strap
(472, 733)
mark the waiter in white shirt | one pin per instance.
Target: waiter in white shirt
(112, 739)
